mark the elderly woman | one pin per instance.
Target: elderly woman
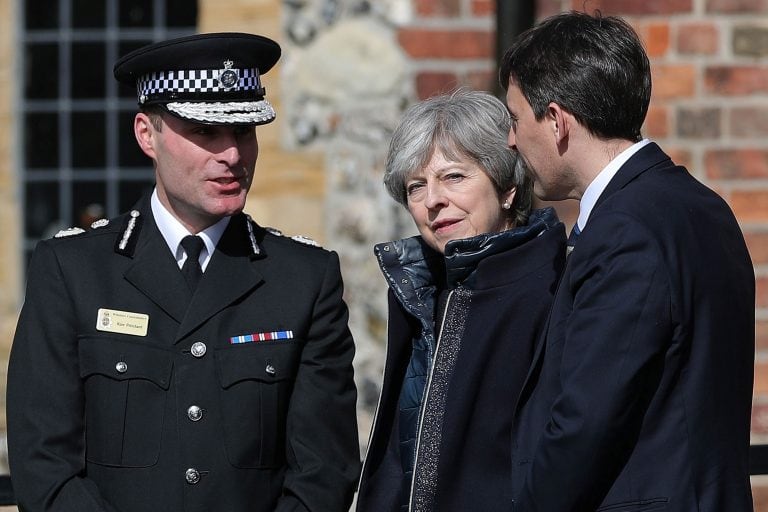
(468, 298)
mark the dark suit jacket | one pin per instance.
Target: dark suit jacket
(100, 420)
(639, 397)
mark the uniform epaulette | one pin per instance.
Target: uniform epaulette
(69, 232)
(305, 240)
(78, 231)
(296, 238)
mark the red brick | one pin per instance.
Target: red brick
(437, 7)
(729, 164)
(761, 326)
(482, 80)
(737, 6)
(736, 80)
(655, 37)
(483, 7)
(447, 44)
(624, 7)
(680, 156)
(750, 205)
(759, 416)
(430, 83)
(673, 81)
(749, 122)
(760, 495)
(656, 122)
(761, 382)
(697, 39)
(757, 242)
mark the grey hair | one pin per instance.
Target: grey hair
(466, 124)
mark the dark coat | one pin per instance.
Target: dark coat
(100, 420)
(640, 396)
(479, 364)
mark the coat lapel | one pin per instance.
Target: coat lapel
(154, 271)
(230, 274)
(649, 156)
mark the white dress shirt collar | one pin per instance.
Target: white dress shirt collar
(596, 188)
(173, 231)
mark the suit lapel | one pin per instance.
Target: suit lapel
(229, 275)
(648, 157)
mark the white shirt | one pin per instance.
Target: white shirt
(595, 189)
(173, 231)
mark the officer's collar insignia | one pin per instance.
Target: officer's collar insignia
(99, 223)
(127, 242)
(68, 232)
(273, 231)
(252, 237)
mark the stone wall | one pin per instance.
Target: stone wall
(345, 84)
(10, 280)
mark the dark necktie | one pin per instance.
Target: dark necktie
(575, 232)
(191, 269)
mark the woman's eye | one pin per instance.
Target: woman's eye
(454, 176)
(413, 187)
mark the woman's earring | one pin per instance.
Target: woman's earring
(506, 205)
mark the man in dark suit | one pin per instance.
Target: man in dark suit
(639, 396)
(154, 371)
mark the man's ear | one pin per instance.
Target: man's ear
(560, 121)
(144, 131)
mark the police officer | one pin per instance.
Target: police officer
(153, 370)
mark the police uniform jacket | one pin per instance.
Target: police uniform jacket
(102, 418)
(451, 451)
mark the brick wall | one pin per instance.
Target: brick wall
(709, 108)
(451, 43)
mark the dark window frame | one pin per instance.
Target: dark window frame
(54, 156)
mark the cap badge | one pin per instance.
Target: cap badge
(228, 77)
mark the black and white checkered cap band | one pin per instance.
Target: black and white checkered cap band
(197, 82)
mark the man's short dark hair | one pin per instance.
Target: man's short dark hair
(593, 66)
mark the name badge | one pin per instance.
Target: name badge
(122, 322)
